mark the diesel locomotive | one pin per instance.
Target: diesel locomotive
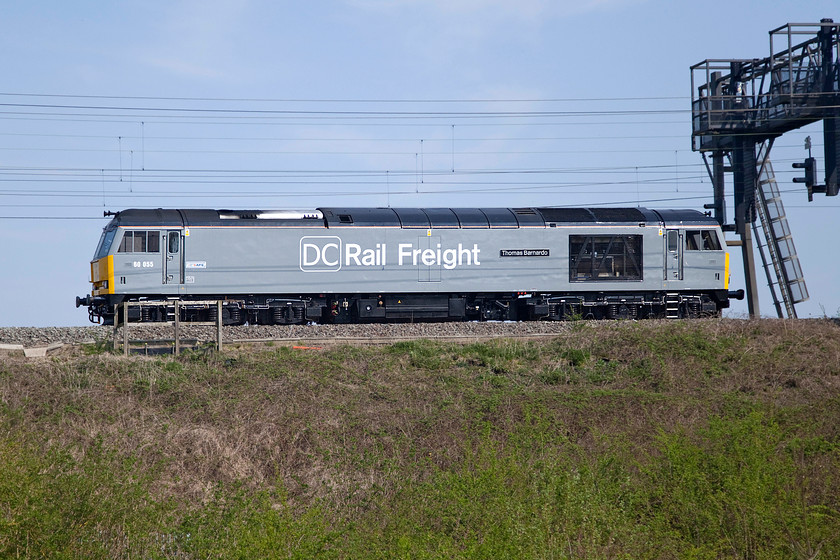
(345, 265)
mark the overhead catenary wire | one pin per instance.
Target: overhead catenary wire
(44, 118)
(340, 100)
(101, 218)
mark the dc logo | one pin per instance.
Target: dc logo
(320, 253)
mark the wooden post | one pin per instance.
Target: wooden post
(219, 326)
(125, 328)
(177, 324)
(116, 327)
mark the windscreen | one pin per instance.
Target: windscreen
(104, 243)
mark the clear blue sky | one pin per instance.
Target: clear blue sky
(281, 104)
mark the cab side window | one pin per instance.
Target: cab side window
(153, 245)
(140, 242)
(701, 240)
(710, 240)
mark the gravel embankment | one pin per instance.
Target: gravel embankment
(42, 336)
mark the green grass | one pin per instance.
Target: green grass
(682, 440)
(57, 505)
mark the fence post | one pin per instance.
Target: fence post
(177, 324)
(219, 326)
(125, 328)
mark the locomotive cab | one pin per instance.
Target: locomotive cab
(101, 277)
(696, 272)
(139, 256)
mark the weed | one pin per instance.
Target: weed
(640, 368)
(423, 354)
(98, 347)
(575, 356)
(557, 376)
(173, 367)
(601, 371)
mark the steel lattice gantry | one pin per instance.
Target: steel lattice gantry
(739, 106)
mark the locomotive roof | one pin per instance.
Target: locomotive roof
(421, 218)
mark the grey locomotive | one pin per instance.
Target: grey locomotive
(345, 265)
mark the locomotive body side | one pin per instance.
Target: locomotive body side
(345, 265)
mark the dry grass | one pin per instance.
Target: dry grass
(354, 429)
(258, 413)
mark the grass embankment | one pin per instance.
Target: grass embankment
(707, 439)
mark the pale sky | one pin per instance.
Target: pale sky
(261, 104)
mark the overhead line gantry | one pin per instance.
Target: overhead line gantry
(739, 107)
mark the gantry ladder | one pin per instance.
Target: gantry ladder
(777, 237)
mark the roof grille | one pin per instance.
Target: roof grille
(270, 215)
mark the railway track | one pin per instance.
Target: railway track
(29, 337)
(353, 340)
(16, 338)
